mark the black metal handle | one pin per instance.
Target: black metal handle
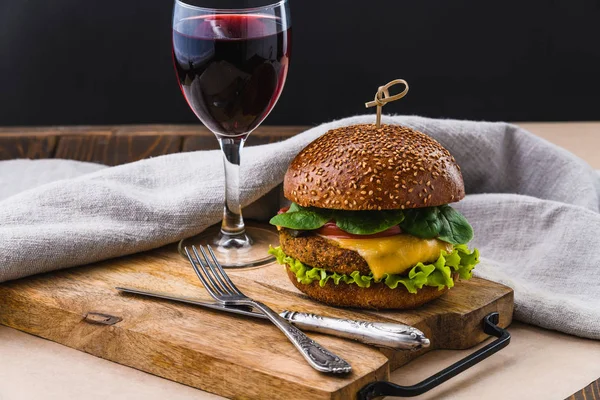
(384, 388)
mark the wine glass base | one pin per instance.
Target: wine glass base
(235, 252)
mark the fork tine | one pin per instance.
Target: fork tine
(205, 283)
(223, 285)
(209, 277)
(220, 268)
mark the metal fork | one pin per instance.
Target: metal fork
(221, 288)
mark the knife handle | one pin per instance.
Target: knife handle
(380, 334)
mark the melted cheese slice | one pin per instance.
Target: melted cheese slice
(394, 254)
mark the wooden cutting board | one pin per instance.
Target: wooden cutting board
(229, 355)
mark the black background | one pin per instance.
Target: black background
(68, 62)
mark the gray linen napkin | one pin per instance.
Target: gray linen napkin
(535, 209)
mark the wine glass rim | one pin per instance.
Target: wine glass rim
(232, 10)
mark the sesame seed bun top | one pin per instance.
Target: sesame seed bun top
(361, 167)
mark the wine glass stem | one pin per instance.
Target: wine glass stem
(233, 222)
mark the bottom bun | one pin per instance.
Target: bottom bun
(378, 296)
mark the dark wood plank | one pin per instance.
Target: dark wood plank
(54, 130)
(111, 149)
(200, 142)
(160, 130)
(143, 130)
(83, 147)
(113, 145)
(273, 134)
(205, 140)
(40, 131)
(590, 392)
(27, 147)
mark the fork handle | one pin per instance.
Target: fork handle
(317, 356)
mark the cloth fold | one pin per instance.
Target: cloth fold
(535, 209)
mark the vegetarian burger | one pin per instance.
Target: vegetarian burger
(369, 225)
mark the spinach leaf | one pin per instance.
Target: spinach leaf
(301, 218)
(422, 222)
(367, 222)
(294, 207)
(355, 222)
(442, 222)
(455, 227)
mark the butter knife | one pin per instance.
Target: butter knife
(380, 334)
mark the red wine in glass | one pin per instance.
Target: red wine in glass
(231, 68)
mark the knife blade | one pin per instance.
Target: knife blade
(380, 334)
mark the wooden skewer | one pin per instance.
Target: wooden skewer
(382, 97)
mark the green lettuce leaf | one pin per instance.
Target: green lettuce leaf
(437, 274)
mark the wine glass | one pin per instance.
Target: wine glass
(231, 59)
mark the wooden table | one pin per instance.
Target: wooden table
(33, 368)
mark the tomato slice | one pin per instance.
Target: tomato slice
(283, 210)
(331, 229)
